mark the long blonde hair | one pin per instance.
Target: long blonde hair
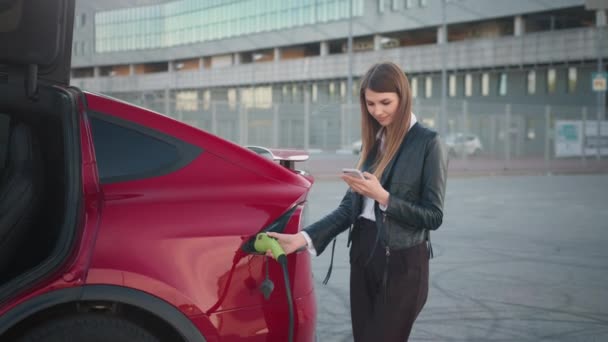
(384, 77)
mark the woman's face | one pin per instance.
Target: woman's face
(382, 106)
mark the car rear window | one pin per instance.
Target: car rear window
(126, 151)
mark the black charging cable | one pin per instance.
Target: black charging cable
(282, 259)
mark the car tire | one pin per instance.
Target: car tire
(89, 328)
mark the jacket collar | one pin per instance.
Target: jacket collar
(373, 153)
(410, 134)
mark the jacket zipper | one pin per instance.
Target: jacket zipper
(387, 254)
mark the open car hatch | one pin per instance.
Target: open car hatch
(36, 40)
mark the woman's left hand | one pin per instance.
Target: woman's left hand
(369, 187)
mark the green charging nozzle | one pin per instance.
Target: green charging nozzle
(263, 242)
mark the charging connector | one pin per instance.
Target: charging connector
(263, 243)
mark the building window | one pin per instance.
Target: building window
(332, 90)
(262, 97)
(485, 84)
(453, 86)
(295, 93)
(381, 6)
(468, 85)
(502, 84)
(414, 87)
(428, 87)
(531, 82)
(186, 101)
(572, 79)
(551, 80)
(396, 4)
(285, 92)
(232, 98)
(191, 21)
(315, 92)
(206, 99)
(342, 89)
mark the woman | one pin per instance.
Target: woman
(391, 211)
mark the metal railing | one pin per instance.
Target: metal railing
(505, 132)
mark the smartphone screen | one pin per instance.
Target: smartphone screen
(353, 173)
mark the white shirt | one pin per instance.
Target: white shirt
(368, 204)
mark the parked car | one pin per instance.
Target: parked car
(356, 147)
(127, 225)
(460, 144)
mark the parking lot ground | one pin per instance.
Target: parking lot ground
(518, 258)
(328, 166)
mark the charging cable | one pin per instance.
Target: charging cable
(263, 243)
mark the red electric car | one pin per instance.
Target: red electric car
(120, 224)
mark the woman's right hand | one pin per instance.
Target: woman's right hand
(289, 242)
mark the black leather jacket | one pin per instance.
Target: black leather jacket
(415, 179)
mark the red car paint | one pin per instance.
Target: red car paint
(179, 236)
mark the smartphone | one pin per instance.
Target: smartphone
(353, 173)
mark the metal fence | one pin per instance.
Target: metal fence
(504, 131)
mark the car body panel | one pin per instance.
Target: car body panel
(177, 235)
(180, 235)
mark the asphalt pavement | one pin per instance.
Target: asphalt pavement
(518, 258)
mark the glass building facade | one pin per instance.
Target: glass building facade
(195, 21)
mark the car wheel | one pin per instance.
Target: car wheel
(89, 328)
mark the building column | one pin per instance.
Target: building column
(236, 58)
(519, 25)
(442, 37)
(131, 69)
(377, 42)
(277, 54)
(96, 72)
(324, 50)
(170, 66)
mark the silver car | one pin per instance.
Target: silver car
(460, 144)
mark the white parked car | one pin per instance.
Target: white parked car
(460, 144)
(357, 146)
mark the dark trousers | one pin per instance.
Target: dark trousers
(385, 313)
